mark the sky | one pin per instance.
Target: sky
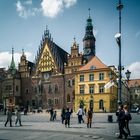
(22, 24)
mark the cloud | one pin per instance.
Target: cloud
(51, 8)
(28, 2)
(137, 34)
(69, 3)
(25, 9)
(5, 58)
(134, 68)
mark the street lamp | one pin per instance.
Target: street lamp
(128, 73)
(118, 40)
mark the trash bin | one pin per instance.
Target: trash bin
(110, 118)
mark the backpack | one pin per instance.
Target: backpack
(129, 117)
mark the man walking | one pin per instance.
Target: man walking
(121, 122)
(51, 114)
(67, 118)
(9, 117)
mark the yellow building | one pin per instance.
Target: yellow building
(95, 88)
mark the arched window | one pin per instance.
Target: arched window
(68, 98)
(56, 88)
(101, 104)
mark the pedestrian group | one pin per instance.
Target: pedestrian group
(123, 118)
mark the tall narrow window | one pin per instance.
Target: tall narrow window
(81, 78)
(50, 89)
(56, 88)
(17, 88)
(82, 89)
(101, 88)
(101, 76)
(26, 91)
(68, 98)
(33, 102)
(73, 82)
(101, 104)
(91, 77)
(56, 101)
(91, 89)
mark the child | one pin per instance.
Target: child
(54, 115)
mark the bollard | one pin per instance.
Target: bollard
(110, 118)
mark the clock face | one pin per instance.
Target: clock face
(87, 51)
(46, 76)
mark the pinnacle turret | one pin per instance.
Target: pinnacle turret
(12, 66)
(89, 40)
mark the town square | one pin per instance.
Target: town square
(69, 69)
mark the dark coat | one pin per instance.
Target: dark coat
(120, 115)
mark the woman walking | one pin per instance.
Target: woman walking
(89, 118)
(18, 117)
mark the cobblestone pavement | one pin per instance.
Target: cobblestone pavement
(39, 124)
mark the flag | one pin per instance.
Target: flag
(109, 84)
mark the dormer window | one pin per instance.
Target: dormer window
(92, 67)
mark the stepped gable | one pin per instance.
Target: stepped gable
(50, 57)
(94, 63)
(25, 67)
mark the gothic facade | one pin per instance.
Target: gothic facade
(56, 68)
(50, 81)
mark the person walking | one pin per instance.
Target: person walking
(51, 114)
(80, 114)
(18, 117)
(63, 115)
(121, 122)
(9, 117)
(127, 119)
(67, 118)
(54, 115)
(89, 118)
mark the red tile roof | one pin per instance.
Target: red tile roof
(134, 82)
(95, 62)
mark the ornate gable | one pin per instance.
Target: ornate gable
(46, 62)
(50, 57)
(74, 59)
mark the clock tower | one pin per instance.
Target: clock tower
(89, 40)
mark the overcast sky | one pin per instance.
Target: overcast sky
(22, 23)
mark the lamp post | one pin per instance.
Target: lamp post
(128, 73)
(118, 39)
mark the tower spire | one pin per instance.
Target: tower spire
(23, 52)
(89, 39)
(12, 66)
(89, 12)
